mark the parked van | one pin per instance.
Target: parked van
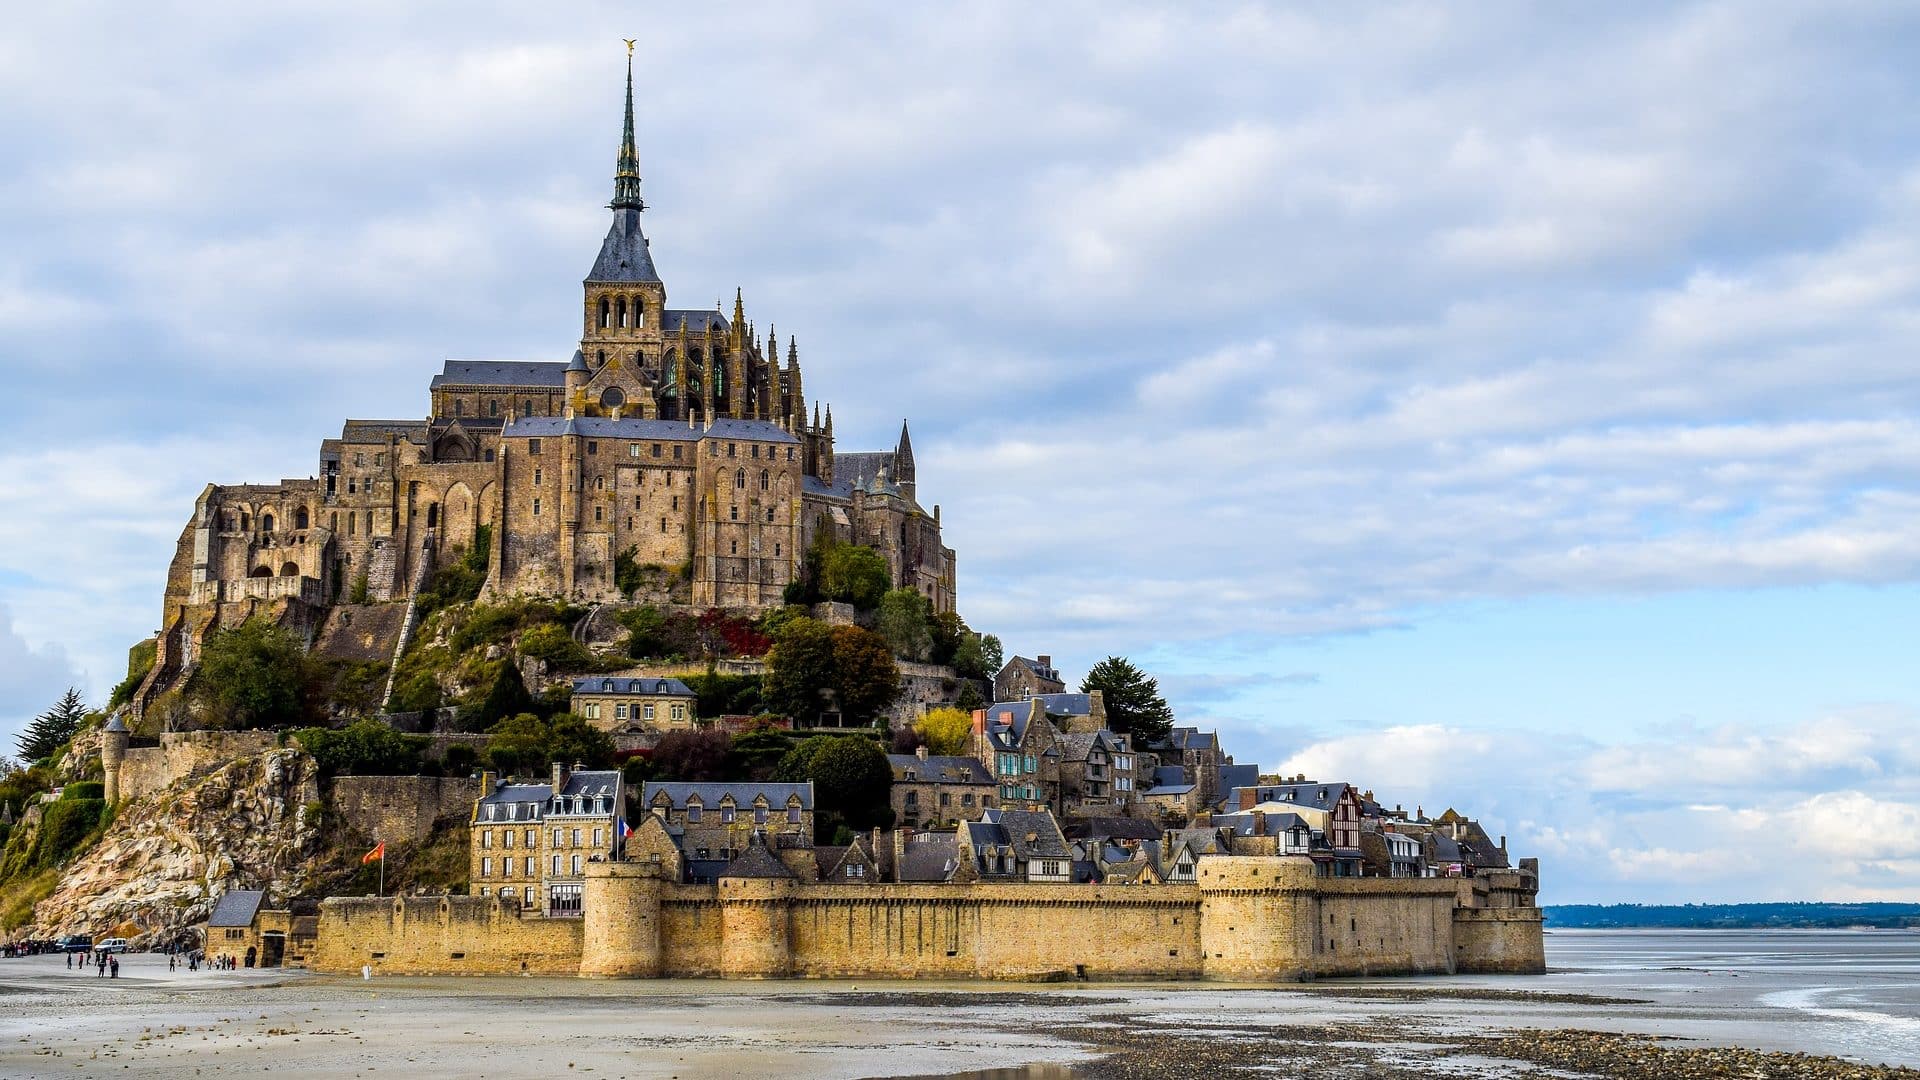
(111, 945)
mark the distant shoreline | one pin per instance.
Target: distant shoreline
(1775, 916)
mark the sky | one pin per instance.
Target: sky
(1496, 406)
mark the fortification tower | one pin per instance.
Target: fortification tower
(621, 935)
(113, 751)
(1256, 917)
(756, 933)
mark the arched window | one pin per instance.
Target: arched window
(266, 523)
(763, 480)
(493, 407)
(606, 313)
(459, 407)
(289, 570)
(740, 478)
(300, 518)
(261, 571)
(620, 309)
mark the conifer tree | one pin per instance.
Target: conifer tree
(52, 729)
(1133, 701)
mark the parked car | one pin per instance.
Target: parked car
(76, 943)
(111, 945)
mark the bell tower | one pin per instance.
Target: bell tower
(624, 299)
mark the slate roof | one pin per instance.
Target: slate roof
(1192, 739)
(705, 871)
(1045, 671)
(1111, 828)
(376, 431)
(633, 427)
(531, 373)
(592, 782)
(939, 768)
(1233, 776)
(1054, 704)
(236, 907)
(756, 862)
(1203, 841)
(623, 254)
(1079, 745)
(509, 794)
(1013, 829)
(696, 322)
(1317, 795)
(1170, 776)
(863, 467)
(929, 857)
(599, 684)
(711, 794)
(1242, 824)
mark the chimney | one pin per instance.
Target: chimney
(559, 777)
(1259, 823)
(1248, 797)
(486, 782)
(900, 838)
(1045, 660)
(1503, 842)
(979, 723)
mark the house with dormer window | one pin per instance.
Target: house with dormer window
(714, 821)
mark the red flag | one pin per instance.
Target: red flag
(379, 852)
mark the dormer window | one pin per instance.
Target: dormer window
(693, 811)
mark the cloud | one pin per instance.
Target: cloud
(1680, 816)
(31, 679)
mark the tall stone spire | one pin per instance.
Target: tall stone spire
(626, 176)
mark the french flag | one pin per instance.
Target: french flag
(626, 830)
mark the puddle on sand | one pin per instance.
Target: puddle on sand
(1022, 1073)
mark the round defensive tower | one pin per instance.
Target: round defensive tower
(755, 932)
(113, 752)
(1256, 916)
(620, 906)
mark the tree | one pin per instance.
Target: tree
(852, 781)
(255, 674)
(977, 656)
(865, 678)
(903, 620)
(506, 697)
(854, 574)
(553, 643)
(946, 731)
(1133, 701)
(47, 733)
(812, 660)
(363, 748)
(692, 755)
(646, 631)
(946, 633)
(525, 743)
(758, 750)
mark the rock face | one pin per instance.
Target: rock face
(167, 857)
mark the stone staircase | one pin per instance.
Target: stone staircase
(420, 573)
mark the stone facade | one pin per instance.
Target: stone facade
(1246, 918)
(678, 438)
(612, 703)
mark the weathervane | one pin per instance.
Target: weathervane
(629, 42)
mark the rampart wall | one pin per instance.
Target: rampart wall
(147, 769)
(401, 808)
(1250, 919)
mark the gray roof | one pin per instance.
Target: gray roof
(115, 725)
(1045, 671)
(639, 429)
(1242, 824)
(376, 431)
(519, 793)
(928, 857)
(1111, 828)
(1171, 776)
(1079, 745)
(1192, 739)
(623, 254)
(711, 794)
(599, 684)
(756, 862)
(1015, 712)
(1233, 776)
(1317, 795)
(696, 321)
(1014, 827)
(1203, 841)
(592, 782)
(940, 768)
(531, 373)
(236, 907)
(862, 468)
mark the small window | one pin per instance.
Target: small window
(536, 476)
(733, 513)
(536, 508)
(633, 449)
(730, 448)
(656, 450)
(593, 447)
(533, 446)
(596, 514)
(676, 457)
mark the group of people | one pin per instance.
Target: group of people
(104, 963)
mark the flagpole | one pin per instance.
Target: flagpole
(381, 846)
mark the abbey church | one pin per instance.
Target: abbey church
(677, 438)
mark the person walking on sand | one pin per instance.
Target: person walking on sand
(114, 962)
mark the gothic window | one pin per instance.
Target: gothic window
(620, 308)
(739, 478)
(606, 313)
(763, 482)
(493, 407)
(639, 311)
(300, 518)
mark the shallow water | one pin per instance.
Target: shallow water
(1842, 993)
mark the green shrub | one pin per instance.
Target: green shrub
(139, 662)
(255, 674)
(83, 789)
(460, 759)
(553, 643)
(419, 692)
(364, 748)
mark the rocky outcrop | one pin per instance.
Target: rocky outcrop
(253, 823)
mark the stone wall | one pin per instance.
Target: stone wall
(401, 808)
(449, 935)
(1248, 918)
(147, 769)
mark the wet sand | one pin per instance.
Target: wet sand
(1598, 1020)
